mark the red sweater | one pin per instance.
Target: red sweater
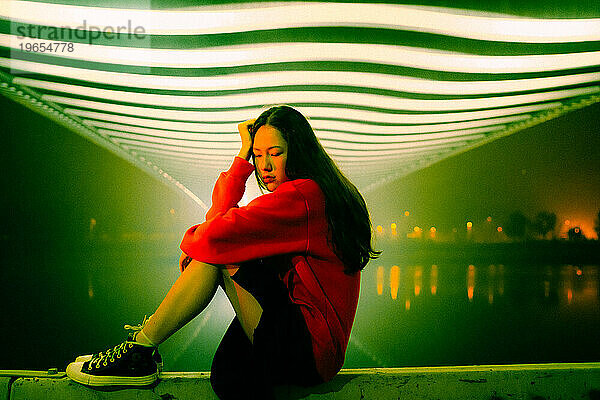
(289, 220)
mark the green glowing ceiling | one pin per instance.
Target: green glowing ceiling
(388, 88)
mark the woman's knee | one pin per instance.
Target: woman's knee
(184, 261)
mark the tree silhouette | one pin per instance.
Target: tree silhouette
(543, 223)
(575, 233)
(597, 227)
(516, 226)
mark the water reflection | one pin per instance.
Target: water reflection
(90, 286)
(418, 280)
(380, 280)
(548, 278)
(578, 285)
(471, 282)
(491, 283)
(567, 283)
(501, 280)
(409, 313)
(471, 313)
(433, 279)
(394, 281)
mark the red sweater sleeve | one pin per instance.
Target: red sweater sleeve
(230, 186)
(272, 224)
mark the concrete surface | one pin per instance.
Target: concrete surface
(4, 387)
(531, 382)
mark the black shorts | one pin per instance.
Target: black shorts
(282, 349)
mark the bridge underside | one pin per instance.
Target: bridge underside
(388, 88)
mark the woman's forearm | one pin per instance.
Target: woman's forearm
(245, 153)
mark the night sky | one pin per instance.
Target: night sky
(55, 181)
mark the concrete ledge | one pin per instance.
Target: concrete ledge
(532, 381)
(171, 386)
(5, 387)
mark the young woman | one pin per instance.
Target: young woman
(289, 263)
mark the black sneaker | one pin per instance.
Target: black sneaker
(155, 355)
(127, 364)
(131, 337)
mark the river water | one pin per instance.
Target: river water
(67, 303)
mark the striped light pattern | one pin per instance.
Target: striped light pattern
(388, 88)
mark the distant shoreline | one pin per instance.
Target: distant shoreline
(533, 251)
(530, 251)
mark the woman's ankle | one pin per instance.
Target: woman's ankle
(143, 339)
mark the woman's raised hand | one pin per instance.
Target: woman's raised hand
(244, 129)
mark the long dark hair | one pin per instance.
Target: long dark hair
(347, 215)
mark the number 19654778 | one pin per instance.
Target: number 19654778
(51, 47)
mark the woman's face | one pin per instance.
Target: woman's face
(270, 156)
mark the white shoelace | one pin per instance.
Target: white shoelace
(137, 329)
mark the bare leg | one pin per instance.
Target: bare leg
(191, 293)
(246, 307)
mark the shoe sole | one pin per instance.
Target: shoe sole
(74, 373)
